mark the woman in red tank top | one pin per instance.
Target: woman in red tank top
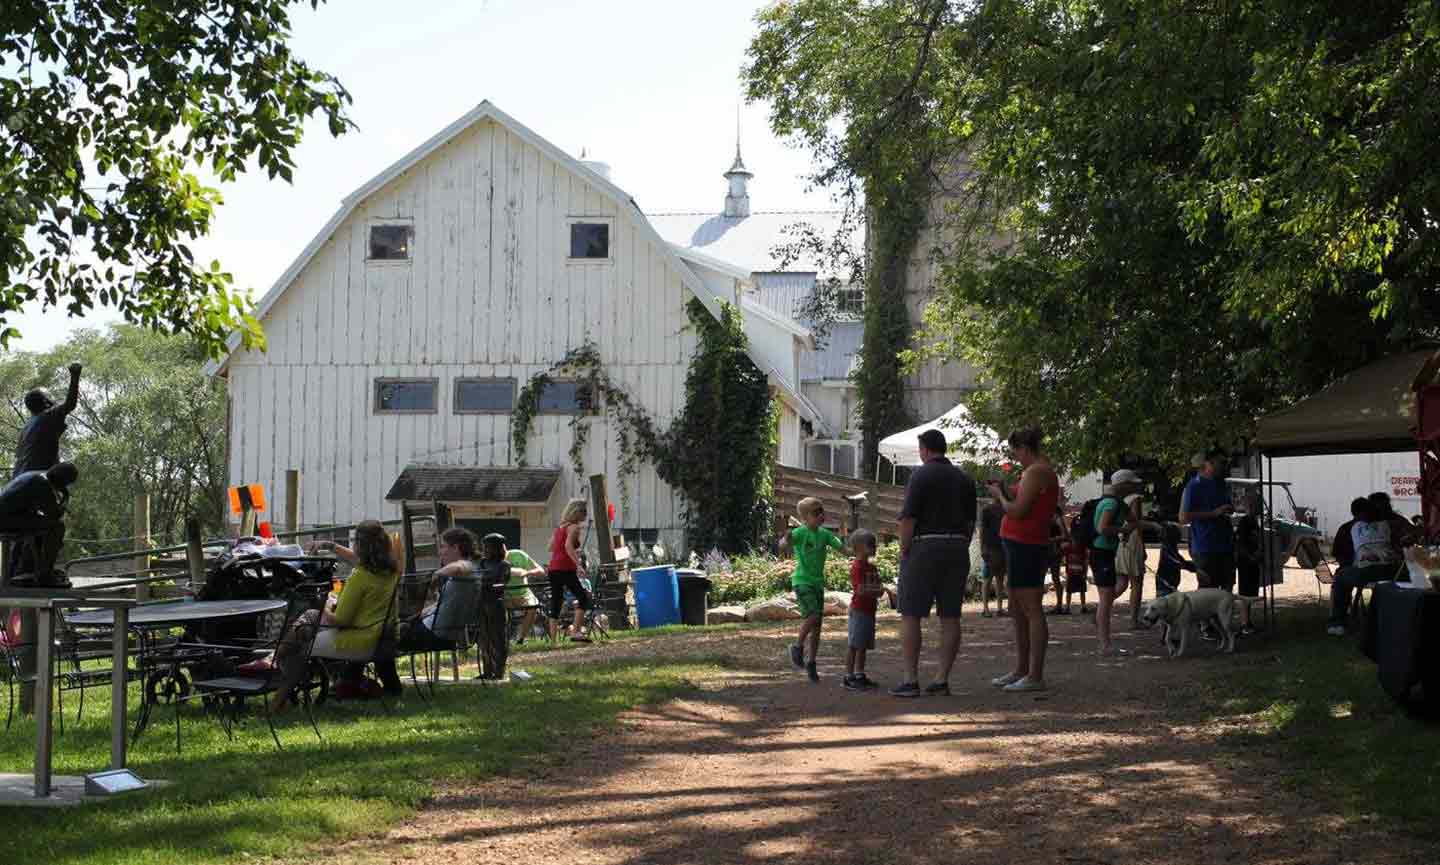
(1025, 532)
(566, 570)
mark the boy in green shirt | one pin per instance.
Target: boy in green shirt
(811, 543)
(517, 594)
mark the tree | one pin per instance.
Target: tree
(857, 84)
(107, 111)
(149, 420)
(1180, 214)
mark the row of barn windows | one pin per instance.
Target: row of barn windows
(396, 241)
(479, 396)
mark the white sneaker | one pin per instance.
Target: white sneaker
(1002, 681)
(1336, 630)
(1026, 684)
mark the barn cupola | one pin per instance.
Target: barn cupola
(737, 200)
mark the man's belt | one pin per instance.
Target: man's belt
(956, 535)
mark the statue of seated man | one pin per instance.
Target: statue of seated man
(32, 506)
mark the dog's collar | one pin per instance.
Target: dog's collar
(1184, 602)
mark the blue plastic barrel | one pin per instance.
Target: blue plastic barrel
(657, 596)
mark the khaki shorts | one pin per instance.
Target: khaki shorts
(518, 599)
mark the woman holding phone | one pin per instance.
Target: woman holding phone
(1025, 533)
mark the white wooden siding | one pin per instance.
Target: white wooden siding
(488, 292)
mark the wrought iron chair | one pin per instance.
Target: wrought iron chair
(228, 695)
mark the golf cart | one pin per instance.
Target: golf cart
(1293, 526)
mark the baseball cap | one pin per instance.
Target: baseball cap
(1125, 476)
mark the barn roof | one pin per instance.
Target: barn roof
(484, 111)
(472, 484)
(756, 242)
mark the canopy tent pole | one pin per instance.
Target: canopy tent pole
(1268, 533)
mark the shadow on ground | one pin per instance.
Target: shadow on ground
(1127, 760)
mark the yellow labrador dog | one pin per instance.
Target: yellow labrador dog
(1179, 610)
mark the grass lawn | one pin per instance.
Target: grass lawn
(1316, 700)
(233, 800)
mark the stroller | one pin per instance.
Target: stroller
(250, 573)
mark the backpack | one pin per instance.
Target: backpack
(1082, 527)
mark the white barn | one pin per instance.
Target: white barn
(400, 336)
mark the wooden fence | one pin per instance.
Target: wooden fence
(878, 514)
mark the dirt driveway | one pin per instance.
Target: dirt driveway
(1117, 764)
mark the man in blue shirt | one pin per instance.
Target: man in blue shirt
(1206, 507)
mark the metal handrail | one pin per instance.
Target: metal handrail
(213, 542)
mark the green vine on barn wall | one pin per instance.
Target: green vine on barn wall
(638, 439)
(717, 454)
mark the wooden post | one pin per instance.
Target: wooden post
(142, 543)
(617, 607)
(194, 554)
(292, 500)
(600, 513)
(407, 537)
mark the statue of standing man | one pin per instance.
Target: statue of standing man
(39, 446)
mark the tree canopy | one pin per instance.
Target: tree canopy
(108, 112)
(1177, 215)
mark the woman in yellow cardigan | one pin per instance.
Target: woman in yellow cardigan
(350, 626)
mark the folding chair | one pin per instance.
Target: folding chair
(227, 695)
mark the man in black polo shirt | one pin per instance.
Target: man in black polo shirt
(936, 522)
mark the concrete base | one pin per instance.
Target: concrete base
(17, 790)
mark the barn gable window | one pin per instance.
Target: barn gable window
(484, 395)
(568, 397)
(589, 239)
(390, 241)
(406, 395)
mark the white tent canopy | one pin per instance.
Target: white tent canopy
(966, 440)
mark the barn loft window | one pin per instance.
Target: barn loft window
(391, 241)
(406, 395)
(850, 300)
(590, 240)
(484, 395)
(568, 397)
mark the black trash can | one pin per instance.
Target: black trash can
(694, 595)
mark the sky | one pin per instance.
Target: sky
(650, 86)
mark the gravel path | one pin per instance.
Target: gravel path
(1117, 763)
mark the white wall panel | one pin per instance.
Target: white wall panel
(488, 292)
